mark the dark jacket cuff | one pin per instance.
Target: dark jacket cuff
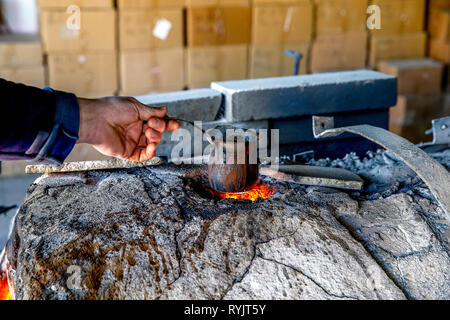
(64, 134)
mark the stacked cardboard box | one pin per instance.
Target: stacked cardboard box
(439, 29)
(218, 34)
(341, 36)
(439, 45)
(401, 35)
(279, 25)
(79, 38)
(419, 88)
(151, 41)
(21, 60)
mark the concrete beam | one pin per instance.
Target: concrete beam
(192, 105)
(314, 94)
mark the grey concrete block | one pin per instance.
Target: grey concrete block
(299, 129)
(166, 145)
(323, 93)
(193, 105)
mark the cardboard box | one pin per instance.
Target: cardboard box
(151, 29)
(97, 31)
(338, 52)
(272, 2)
(217, 3)
(151, 91)
(29, 75)
(440, 28)
(83, 4)
(216, 63)
(402, 46)
(439, 50)
(277, 24)
(271, 61)
(147, 4)
(19, 51)
(144, 71)
(218, 26)
(83, 74)
(415, 76)
(445, 106)
(340, 16)
(412, 116)
(433, 7)
(401, 16)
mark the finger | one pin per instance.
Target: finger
(148, 153)
(172, 125)
(157, 124)
(152, 136)
(146, 112)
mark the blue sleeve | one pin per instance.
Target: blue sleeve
(37, 125)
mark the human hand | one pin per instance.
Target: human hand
(122, 127)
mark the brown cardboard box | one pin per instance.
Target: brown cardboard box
(218, 26)
(400, 16)
(20, 51)
(402, 46)
(440, 29)
(277, 24)
(147, 4)
(412, 116)
(271, 61)
(415, 109)
(151, 91)
(97, 31)
(340, 16)
(83, 4)
(216, 63)
(151, 28)
(81, 152)
(272, 2)
(415, 76)
(30, 75)
(144, 71)
(433, 7)
(217, 3)
(337, 52)
(445, 106)
(439, 50)
(83, 74)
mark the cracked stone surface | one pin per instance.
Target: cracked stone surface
(150, 233)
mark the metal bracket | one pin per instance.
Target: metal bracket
(435, 176)
(441, 133)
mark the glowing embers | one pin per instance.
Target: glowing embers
(4, 287)
(258, 191)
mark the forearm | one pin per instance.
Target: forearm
(37, 125)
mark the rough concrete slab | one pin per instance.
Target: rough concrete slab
(147, 233)
(144, 234)
(285, 97)
(192, 105)
(91, 165)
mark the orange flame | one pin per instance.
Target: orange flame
(4, 288)
(259, 191)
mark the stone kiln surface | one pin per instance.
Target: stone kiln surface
(148, 233)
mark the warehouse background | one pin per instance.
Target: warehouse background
(100, 48)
